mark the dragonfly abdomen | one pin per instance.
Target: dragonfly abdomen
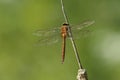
(64, 30)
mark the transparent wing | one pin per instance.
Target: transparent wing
(81, 30)
(47, 36)
(82, 25)
(47, 32)
(48, 41)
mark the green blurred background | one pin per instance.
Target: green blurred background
(99, 51)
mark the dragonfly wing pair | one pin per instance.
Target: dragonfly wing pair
(81, 30)
(48, 36)
(53, 35)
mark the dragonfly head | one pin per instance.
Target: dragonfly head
(65, 24)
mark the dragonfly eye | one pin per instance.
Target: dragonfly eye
(65, 24)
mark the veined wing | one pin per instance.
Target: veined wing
(47, 32)
(47, 36)
(81, 30)
(48, 40)
(83, 25)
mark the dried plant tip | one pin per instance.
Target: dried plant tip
(82, 74)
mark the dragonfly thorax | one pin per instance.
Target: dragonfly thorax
(64, 30)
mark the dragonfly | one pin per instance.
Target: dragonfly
(50, 36)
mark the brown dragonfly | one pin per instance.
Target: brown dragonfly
(50, 36)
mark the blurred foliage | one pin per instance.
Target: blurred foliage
(99, 51)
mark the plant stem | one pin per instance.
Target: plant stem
(71, 37)
(82, 74)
